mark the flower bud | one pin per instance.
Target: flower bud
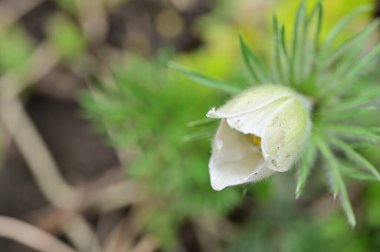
(262, 131)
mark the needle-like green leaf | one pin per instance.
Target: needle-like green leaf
(326, 49)
(339, 186)
(355, 156)
(253, 63)
(362, 133)
(357, 70)
(341, 25)
(299, 32)
(355, 41)
(353, 103)
(353, 173)
(205, 80)
(344, 115)
(198, 135)
(201, 122)
(305, 165)
(278, 51)
(315, 19)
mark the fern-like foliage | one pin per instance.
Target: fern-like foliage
(145, 109)
(337, 78)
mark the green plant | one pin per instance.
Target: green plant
(146, 109)
(339, 82)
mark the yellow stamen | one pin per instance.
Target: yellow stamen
(254, 139)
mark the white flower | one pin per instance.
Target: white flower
(263, 130)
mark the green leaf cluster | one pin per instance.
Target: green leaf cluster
(298, 233)
(144, 109)
(338, 78)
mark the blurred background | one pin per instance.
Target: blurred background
(101, 147)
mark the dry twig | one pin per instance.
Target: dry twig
(147, 244)
(34, 150)
(9, 15)
(123, 235)
(31, 236)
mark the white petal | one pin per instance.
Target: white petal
(285, 136)
(234, 160)
(257, 121)
(251, 100)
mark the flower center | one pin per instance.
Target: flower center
(254, 139)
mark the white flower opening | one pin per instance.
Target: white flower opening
(262, 131)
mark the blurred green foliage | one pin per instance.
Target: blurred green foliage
(299, 234)
(333, 11)
(329, 74)
(280, 227)
(147, 109)
(67, 5)
(15, 48)
(66, 37)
